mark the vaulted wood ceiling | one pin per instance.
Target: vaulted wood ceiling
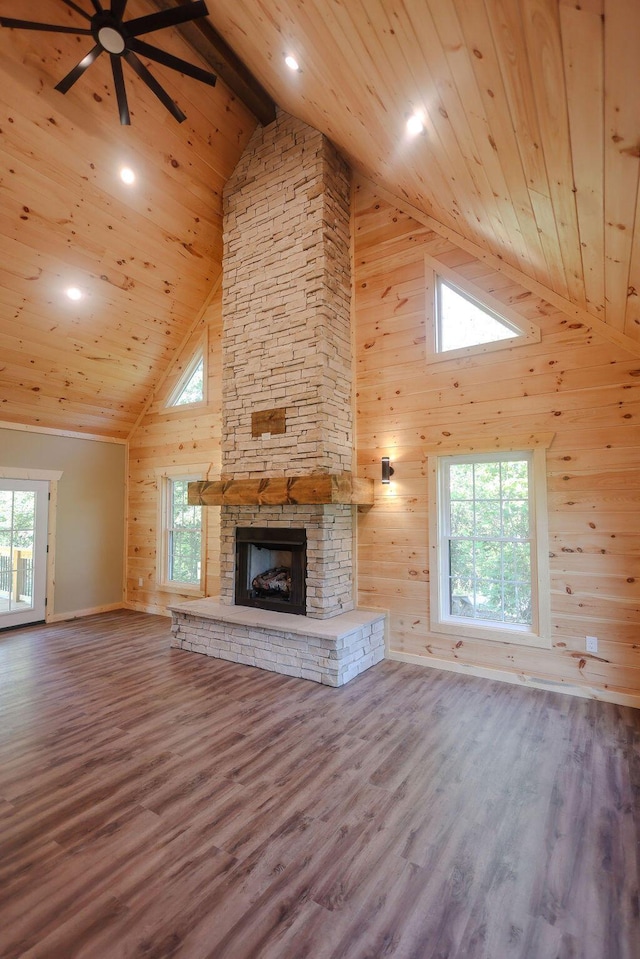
(531, 150)
(146, 257)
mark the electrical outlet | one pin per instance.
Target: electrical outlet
(140, 581)
(591, 644)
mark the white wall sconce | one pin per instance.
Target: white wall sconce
(387, 470)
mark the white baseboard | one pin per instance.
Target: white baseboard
(520, 679)
(78, 613)
(144, 608)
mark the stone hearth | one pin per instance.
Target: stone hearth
(330, 651)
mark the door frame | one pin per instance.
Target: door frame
(52, 477)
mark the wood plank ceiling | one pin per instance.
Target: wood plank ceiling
(531, 150)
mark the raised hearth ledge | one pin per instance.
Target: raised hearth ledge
(330, 651)
(312, 489)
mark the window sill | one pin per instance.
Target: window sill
(493, 634)
(184, 408)
(181, 589)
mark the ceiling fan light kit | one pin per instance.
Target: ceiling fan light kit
(119, 38)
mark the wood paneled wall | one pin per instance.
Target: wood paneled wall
(574, 383)
(166, 438)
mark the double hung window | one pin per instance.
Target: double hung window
(491, 571)
(181, 536)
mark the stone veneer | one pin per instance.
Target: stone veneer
(287, 343)
(286, 305)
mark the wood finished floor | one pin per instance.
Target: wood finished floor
(156, 803)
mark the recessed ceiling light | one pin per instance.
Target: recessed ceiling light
(291, 62)
(127, 175)
(74, 293)
(415, 124)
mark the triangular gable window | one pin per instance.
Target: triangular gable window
(463, 322)
(190, 389)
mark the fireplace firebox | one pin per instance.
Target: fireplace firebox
(271, 568)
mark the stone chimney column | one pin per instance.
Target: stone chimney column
(287, 344)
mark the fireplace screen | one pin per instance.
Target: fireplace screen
(271, 568)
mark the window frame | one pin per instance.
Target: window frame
(526, 331)
(166, 479)
(441, 620)
(199, 356)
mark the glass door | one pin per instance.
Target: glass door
(23, 551)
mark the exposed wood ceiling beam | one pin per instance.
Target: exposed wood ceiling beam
(206, 40)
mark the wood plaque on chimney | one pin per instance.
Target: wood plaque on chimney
(268, 421)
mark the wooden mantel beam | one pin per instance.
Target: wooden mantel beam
(315, 488)
(225, 63)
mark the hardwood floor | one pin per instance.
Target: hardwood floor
(156, 803)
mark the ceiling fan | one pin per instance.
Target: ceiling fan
(119, 38)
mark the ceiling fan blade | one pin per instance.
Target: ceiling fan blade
(121, 93)
(118, 8)
(97, 6)
(74, 6)
(67, 82)
(153, 85)
(168, 60)
(33, 25)
(166, 18)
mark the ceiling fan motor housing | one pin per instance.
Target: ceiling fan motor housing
(109, 32)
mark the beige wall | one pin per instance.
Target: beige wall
(574, 383)
(89, 546)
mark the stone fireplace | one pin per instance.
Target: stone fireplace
(287, 418)
(329, 551)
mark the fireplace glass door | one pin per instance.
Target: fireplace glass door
(271, 568)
